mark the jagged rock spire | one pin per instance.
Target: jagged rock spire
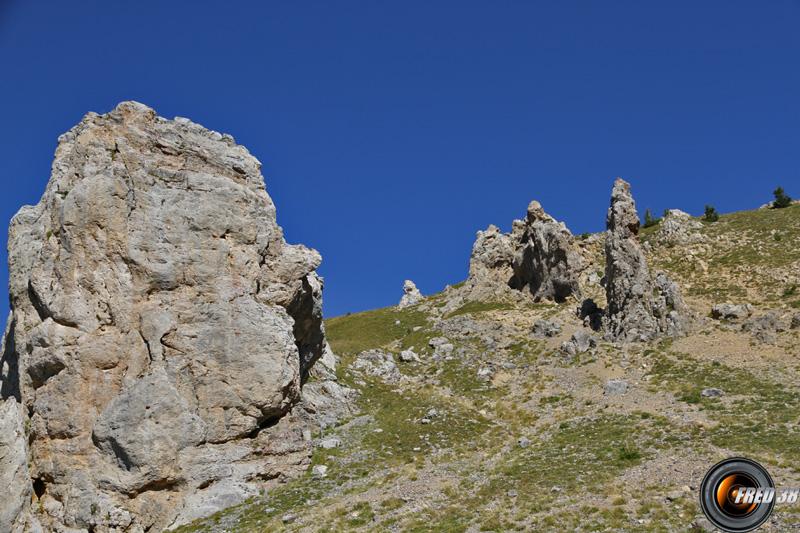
(638, 308)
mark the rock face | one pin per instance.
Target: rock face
(537, 257)
(638, 307)
(161, 329)
(545, 262)
(411, 295)
(679, 227)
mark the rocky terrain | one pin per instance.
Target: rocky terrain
(492, 407)
(166, 365)
(160, 333)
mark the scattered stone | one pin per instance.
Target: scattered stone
(162, 328)
(729, 311)
(411, 295)
(580, 342)
(408, 356)
(679, 227)
(765, 327)
(615, 387)
(545, 328)
(711, 393)
(639, 309)
(523, 442)
(288, 518)
(379, 364)
(425, 421)
(512, 493)
(485, 373)
(319, 471)
(330, 443)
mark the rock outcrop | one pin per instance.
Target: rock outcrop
(545, 262)
(538, 257)
(678, 227)
(639, 308)
(411, 295)
(161, 330)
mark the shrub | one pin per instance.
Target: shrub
(781, 198)
(649, 220)
(711, 214)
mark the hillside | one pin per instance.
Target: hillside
(490, 426)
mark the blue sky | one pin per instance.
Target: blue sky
(391, 131)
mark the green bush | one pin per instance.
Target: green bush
(781, 198)
(649, 219)
(710, 214)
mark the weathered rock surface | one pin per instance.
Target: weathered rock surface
(161, 329)
(538, 257)
(545, 328)
(678, 227)
(581, 341)
(379, 364)
(14, 476)
(545, 261)
(638, 307)
(729, 311)
(411, 295)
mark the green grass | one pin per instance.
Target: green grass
(480, 307)
(351, 334)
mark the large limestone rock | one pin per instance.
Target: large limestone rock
(411, 295)
(639, 308)
(678, 227)
(546, 263)
(538, 257)
(161, 329)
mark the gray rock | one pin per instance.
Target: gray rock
(538, 257)
(409, 356)
(523, 442)
(546, 262)
(545, 328)
(330, 443)
(581, 341)
(615, 387)
(729, 311)
(161, 328)
(765, 327)
(795, 323)
(319, 471)
(14, 476)
(411, 295)
(379, 364)
(679, 227)
(711, 393)
(639, 308)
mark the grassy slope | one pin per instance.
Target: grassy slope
(599, 462)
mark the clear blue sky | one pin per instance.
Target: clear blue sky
(391, 131)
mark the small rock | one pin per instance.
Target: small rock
(408, 356)
(523, 442)
(545, 328)
(512, 493)
(795, 321)
(432, 413)
(330, 443)
(711, 393)
(485, 373)
(581, 341)
(288, 518)
(729, 311)
(615, 387)
(319, 471)
(425, 421)
(411, 295)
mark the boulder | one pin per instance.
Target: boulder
(379, 364)
(729, 311)
(161, 328)
(545, 328)
(679, 227)
(581, 341)
(411, 295)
